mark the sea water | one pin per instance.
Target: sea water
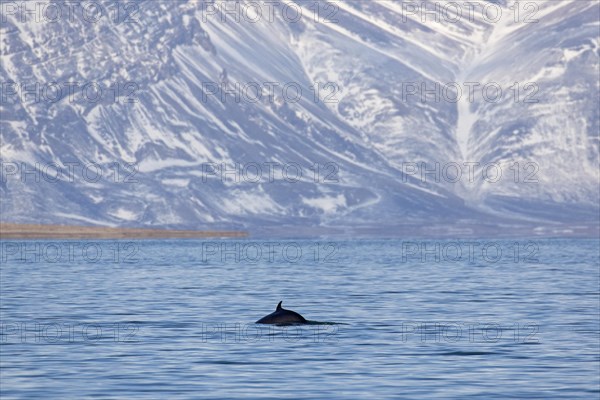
(413, 318)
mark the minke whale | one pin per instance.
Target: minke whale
(282, 316)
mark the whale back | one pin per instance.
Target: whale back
(282, 316)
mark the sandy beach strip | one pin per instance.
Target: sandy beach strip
(32, 231)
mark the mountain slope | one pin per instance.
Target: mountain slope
(362, 129)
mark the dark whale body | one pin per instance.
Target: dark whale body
(282, 316)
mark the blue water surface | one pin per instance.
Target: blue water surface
(403, 319)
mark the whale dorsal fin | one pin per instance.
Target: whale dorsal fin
(279, 306)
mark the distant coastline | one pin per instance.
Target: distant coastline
(32, 231)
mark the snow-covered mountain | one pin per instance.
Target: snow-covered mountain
(384, 99)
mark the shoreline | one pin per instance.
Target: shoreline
(35, 231)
